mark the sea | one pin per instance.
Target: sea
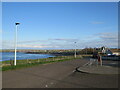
(4, 56)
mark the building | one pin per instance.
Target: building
(106, 51)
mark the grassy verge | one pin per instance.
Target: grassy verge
(30, 63)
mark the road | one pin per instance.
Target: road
(57, 75)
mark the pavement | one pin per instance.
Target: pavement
(58, 75)
(98, 69)
(108, 67)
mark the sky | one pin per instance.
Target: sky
(58, 25)
(60, 0)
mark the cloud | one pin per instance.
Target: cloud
(55, 39)
(97, 22)
(32, 41)
(10, 45)
(49, 43)
(64, 39)
(108, 36)
(109, 39)
(36, 46)
(7, 44)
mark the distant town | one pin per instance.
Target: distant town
(64, 51)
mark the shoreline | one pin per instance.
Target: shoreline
(9, 65)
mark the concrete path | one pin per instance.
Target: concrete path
(99, 69)
(108, 67)
(57, 75)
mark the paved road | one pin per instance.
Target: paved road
(57, 75)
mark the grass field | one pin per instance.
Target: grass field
(9, 65)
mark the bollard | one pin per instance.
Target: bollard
(100, 61)
(97, 62)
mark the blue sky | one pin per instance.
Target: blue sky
(50, 25)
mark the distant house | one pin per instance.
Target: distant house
(103, 49)
(106, 51)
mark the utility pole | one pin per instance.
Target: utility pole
(16, 24)
(86, 50)
(93, 50)
(75, 50)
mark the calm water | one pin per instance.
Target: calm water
(20, 56)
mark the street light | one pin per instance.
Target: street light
(16, 24)
(93, 50)
(75, 50)
(86, 50)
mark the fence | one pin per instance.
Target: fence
(43, 60)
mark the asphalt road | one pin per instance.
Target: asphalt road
(57, 75)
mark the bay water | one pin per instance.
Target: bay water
(20, 56)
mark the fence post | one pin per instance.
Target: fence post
(27, 61)
(68, 57)
(38, 60)
(10, 62)
(53, 59)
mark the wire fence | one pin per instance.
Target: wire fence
(43, 60)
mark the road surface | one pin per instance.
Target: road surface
(57, 75)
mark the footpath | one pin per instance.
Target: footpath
(108, 67)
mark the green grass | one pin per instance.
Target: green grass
(24, 63)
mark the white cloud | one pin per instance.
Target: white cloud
(67, 40)
(109, 36)
(32, 41)
(50, 40)
(109, 39)
(10, 45)
(35, 46)
(7, 44)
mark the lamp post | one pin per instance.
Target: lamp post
(75, 50)
(16, 24)
(86, 50)
(93, 50)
